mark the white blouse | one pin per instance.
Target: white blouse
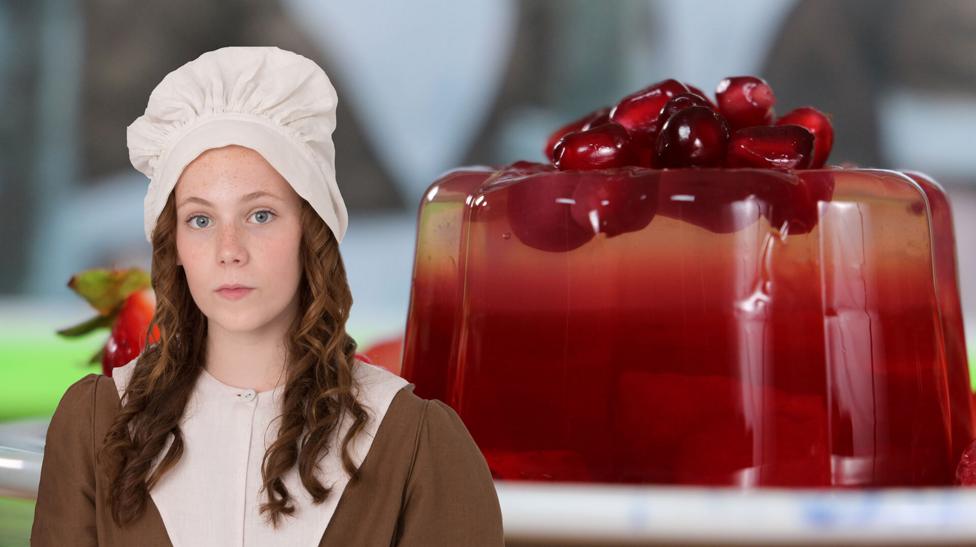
(211, 496)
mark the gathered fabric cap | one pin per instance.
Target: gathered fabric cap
(274, 101)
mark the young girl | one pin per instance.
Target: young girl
(251, 422)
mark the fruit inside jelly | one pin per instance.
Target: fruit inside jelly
(736, 327)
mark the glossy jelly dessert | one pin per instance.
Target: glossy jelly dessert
(701, 303)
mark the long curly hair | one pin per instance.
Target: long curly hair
(319, 389)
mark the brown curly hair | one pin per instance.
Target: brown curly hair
(319, 387)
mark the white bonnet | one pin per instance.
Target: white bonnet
(273, 101)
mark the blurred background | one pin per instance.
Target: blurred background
(423, 87)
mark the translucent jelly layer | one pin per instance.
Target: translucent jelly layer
(723, 327)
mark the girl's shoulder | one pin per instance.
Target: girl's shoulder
(88, 398)
(77, 402)
(121, 375)
(377, 387)
(423, 424)
(448, 492)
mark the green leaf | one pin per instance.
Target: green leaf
(97, 322)
(97, 357)
(106, 289)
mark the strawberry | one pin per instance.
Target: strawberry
(128, 336)
(124, 304)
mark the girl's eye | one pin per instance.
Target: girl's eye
(265, 211)
(194, 224)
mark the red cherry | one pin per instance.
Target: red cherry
(128, 336)
(966, 472)
(765, 146)
(725, 202)
(593, 119)
(745, 101)
(597, 118)
(797, 212)
(600, 147)
(703, 95)
(694, 137)
(817, 123)
(525, 166)
(615, 204)
(638, 113)
(539, 211)
(680, 102)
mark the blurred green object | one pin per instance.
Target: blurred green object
(39, 366)
(16, 519)
(972, 367)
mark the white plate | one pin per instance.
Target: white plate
(611, 514)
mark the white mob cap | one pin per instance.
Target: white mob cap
(276, 102)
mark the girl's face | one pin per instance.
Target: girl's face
(238, 223)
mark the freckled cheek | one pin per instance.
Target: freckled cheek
(191, 253)
(282, 258)
(198, 272)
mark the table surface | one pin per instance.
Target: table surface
(594, 514)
